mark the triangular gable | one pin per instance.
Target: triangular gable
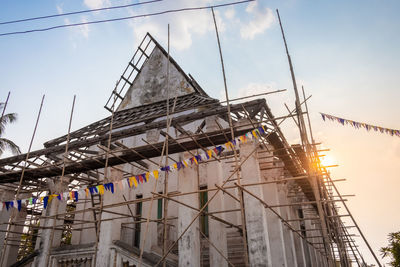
(150, 84)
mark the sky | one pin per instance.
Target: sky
(345, 54)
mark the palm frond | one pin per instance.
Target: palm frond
(6, 119)
(6, 144)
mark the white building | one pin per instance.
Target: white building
(279, 212)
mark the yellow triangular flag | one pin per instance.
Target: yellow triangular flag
(155, 174)
(101, 189)
(134, 181)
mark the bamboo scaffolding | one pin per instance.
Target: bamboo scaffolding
(312, 177)
(20, 181)
(61, 182)
(240, 193)
(106, 177)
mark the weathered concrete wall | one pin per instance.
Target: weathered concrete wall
(217, 230)
(290, 251)
(271, 172)
(256, 219)
(5, 195)
(189, 244)
(110, 230)
(311, 234)
(297, 241)
(46, 236)
(11, 251)
(150, 85)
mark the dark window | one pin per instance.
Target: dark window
(138, 217)
(159, 208)
(204, 218)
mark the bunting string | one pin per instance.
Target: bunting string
(359, 125)
(135, 180)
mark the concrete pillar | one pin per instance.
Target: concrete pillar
(297, 240)
(256, 219)
(110, 230)
(275, 232)
(321, 259)
(300, 213)
(217, 230)
(310, 234)
(5, 215)
(87, 235)
(306, 253)
(189, 244)
(287, 233)
(53, 207)
(149, 239)
(11, 251)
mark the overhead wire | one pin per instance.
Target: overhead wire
(125, 18)
(78, 12)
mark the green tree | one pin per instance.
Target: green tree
(7, 144)
(393, 249)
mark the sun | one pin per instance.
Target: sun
(327, 160)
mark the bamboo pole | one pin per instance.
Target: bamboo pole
(240, 193)
(105, 178)
(356, 225)
(21, 179)
(62, 180)
(213, 196)
(5, 105)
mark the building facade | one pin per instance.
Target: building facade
(185, 192)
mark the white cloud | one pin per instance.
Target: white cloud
(59, 9)
(82, 29)
(230, 13)
(263, 18)
(183, 25)
(94, 4)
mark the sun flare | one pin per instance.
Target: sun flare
(328, 160)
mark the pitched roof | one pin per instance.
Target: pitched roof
(145, 79)
(136, 115)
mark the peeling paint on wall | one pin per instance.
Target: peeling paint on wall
(150, 85)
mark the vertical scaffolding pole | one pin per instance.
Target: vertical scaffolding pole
(105, 177)
(21, 180)
(165, 206)
(5, 105)
(303, 135)
(242, 211)
(355, 223)
(62, 180)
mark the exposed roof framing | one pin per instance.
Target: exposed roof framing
(136, 115)
(126, 126)
(134, 67)
(138, 120)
